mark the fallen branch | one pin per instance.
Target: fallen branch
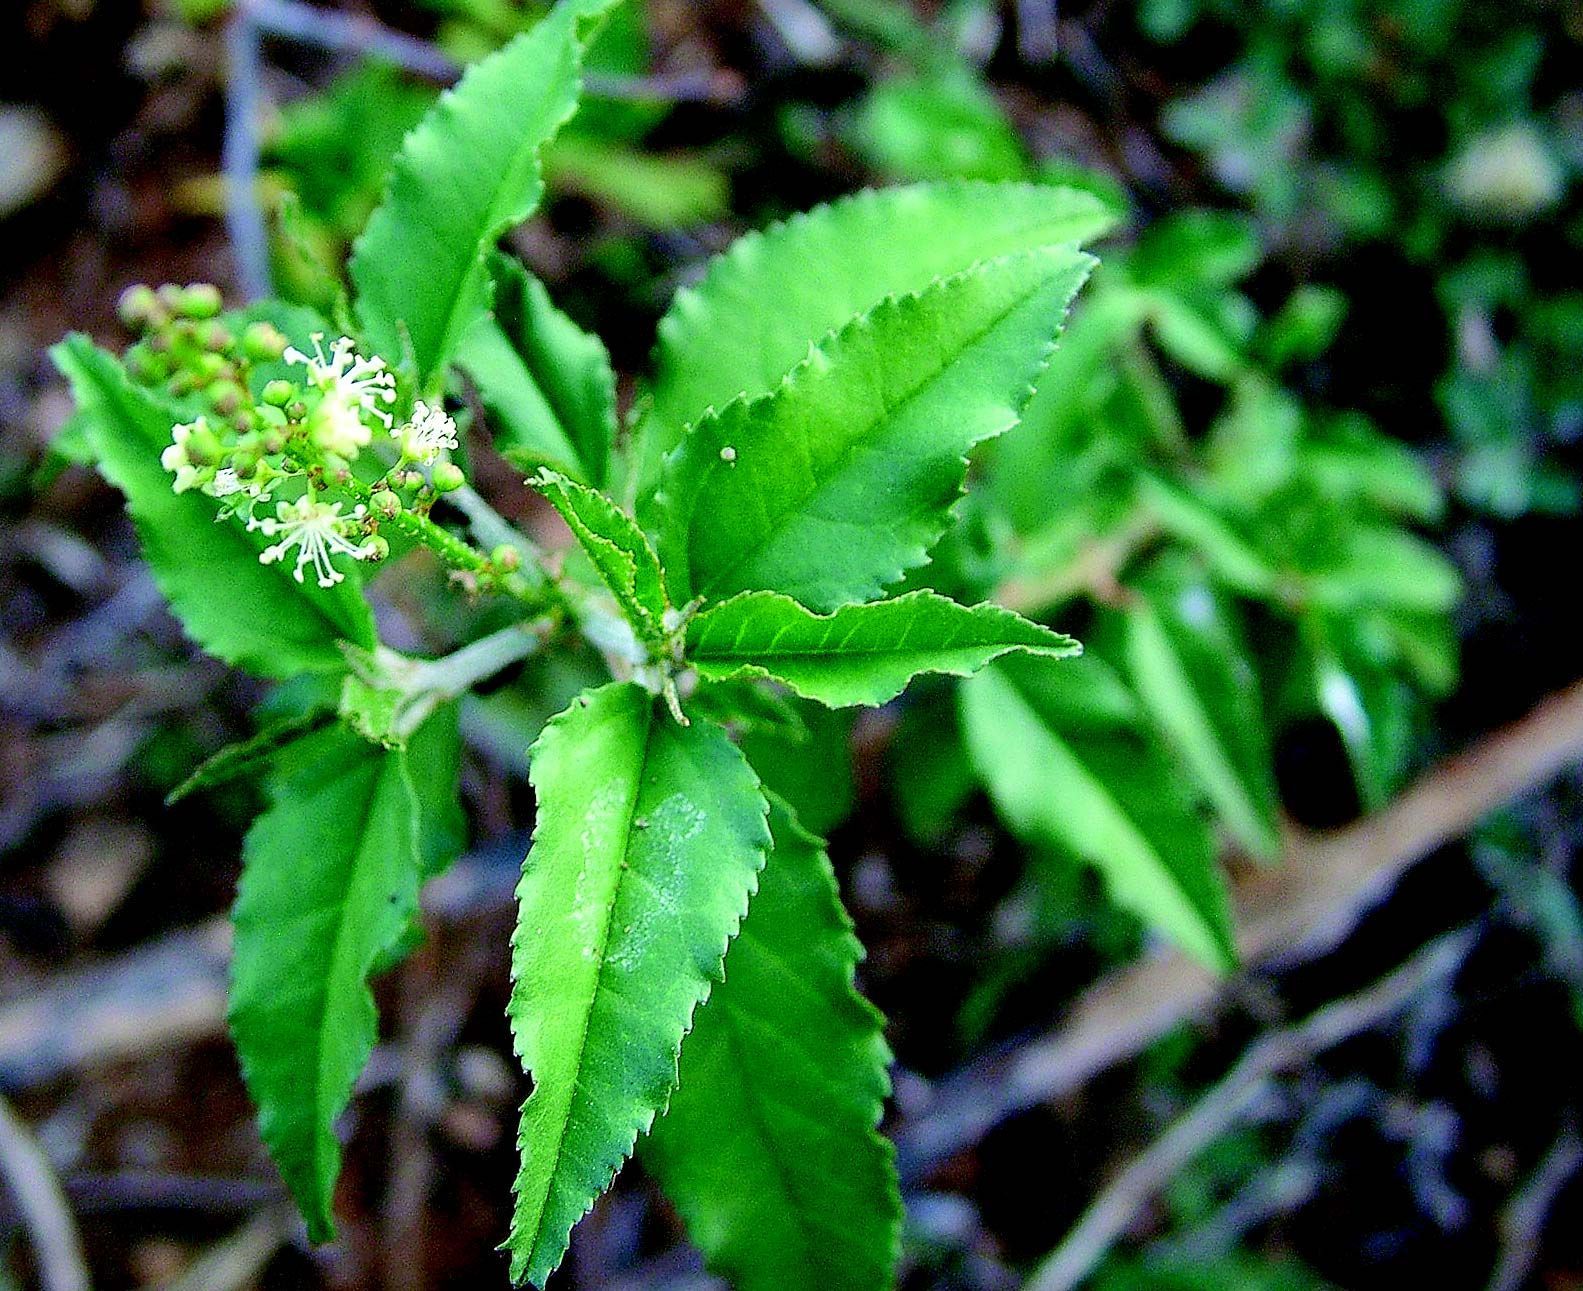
(56, 1246)
(1111, 1213)
(1298, 908)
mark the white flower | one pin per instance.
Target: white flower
(350, 388)
(430, 432)
(317, 531)
(175, 458)
(226, 482)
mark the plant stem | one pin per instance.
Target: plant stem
(530, 587)
(460, 670)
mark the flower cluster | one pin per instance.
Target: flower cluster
(316, 531)
(250, 432)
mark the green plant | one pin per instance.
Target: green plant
(739, 540)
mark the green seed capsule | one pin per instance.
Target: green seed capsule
(277, 394)
(448, 477)
(385, 503)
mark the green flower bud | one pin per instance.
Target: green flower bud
(181, 384)
(505, 558)
(385, 503)
(264, 342)
(277, 393)
(216, 336)
(274, 441)
(202, 445)
(139, 307)
(376, 548)
(296, 410)
(448, 477)
(245, 420)
(146, 366)
(226, 396)
(207, 368)
(170, 298)
(201, 300)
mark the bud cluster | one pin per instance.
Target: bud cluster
(252, 433)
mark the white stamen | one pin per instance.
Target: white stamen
(430, 432)
(317, 531)
(345, 375)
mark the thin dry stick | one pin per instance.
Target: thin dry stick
(236, 1261)
(1523, 1220)
(56, 1245)
(1297, 908)
(1115, 1209)
(239, 155)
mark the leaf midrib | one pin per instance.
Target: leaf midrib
(322, 1130)
(602, 957)
(780, 522)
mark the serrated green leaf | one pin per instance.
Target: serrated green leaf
(830, 488)
(821, 270)
(254, 616)
(860, 654)
(434, 764)
(237, 759)
(769, 1149)
(434, 761)
(546, 383)
(1066, 763)
(467, 173)
(1195, 676)
(649, 840)
(810, 765)
(329, 886)
(619, 550)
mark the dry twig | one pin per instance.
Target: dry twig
(1114, 1210)
(1298, 908)
(56, 1245)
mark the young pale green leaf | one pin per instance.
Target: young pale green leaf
(329, 887)
(1064, 765)
(1382, 566)
(769, 1148)
(860, 654)
(467, 173)
(255, 616)
(1195, 676)
(546, 383)
(649, 841)
(1195, 522)
(830, 488)
(619, 550)
(774, 294)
